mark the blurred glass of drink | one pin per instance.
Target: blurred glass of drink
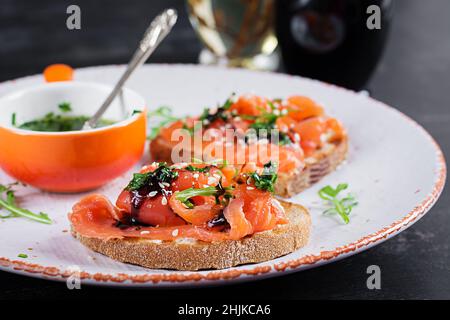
(238, 33)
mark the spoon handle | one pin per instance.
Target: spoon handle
(155, 33)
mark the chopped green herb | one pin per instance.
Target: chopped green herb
(8, 202)
(207, 117)
(163, 174)
(341, 206)
(22, 255)
(197, 169)
(265, 125)
(65, 107)
(266, 180)
(135, 112)
(13, 119)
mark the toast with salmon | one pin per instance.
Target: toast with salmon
(308, 144)
(192, 217)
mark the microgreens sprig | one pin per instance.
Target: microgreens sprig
(341, 206)
(165, 116)
(8, 202)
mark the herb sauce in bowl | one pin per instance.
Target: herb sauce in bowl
(52, 122)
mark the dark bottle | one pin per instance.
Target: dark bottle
(329, 40)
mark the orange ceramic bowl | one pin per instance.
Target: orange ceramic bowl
(70, 161)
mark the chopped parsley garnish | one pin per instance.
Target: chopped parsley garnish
(341, 206)
(266, 180)
(22, 255)
(8, 202)
(264, 126)
(162, 174)
(65, 107)
(221, 113)
(13, 119)
(197, 169)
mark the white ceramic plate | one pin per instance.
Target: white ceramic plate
(395, 168)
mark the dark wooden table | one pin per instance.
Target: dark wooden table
(413, 76)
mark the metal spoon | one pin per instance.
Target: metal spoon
(156, 32)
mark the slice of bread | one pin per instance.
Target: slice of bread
(188, 254)
(321, 163)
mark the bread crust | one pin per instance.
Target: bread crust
(196, 255)
(289, 184)
(319, 165)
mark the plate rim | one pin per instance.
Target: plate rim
(257, 272)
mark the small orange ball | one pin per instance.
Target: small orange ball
(58, 72)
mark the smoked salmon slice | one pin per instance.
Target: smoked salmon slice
(210, 213)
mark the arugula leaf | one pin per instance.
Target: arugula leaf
(166, 117)
(267, 179)
(9, 204)
(65, 107)
(217, 191)
(341, 206)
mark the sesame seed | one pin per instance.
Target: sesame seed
(152, 194)
(145, 232)
(166, 184)
(164, 201)
(250, 188)
(161, 185)
(195, 175)
(175, 232)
